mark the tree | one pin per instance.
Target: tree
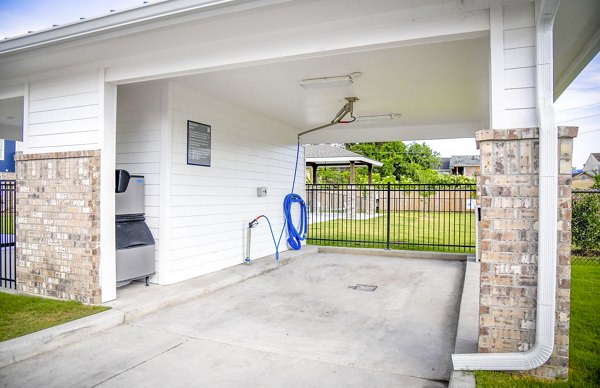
(596, 185)
(585, 227)
(399, 160)
(414, 163)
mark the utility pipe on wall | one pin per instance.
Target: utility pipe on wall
(548, 199)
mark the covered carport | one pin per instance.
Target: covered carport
(118, 91)
(257, 108)
(189, 62)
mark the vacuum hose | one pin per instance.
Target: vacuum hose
(296, 235)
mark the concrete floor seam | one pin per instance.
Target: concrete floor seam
(139, 363)
(189, 337)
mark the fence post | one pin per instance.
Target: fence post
(388, 215)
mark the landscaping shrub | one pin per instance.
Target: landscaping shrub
(586, 222)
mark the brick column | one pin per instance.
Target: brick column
(508, 194)
(58, 224)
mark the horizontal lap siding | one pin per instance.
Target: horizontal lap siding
(64, 114)
(138, 142)
(210, 207)
(519, 65)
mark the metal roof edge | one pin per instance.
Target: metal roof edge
(338, 159)
(127, 18)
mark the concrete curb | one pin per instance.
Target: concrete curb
(462, 379)
(156, 297)
(136, 304)
(394, 253)
(467, 330)
(27, 346)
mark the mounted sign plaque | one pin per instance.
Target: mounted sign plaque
(198, 144)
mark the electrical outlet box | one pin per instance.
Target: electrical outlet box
(261, 191)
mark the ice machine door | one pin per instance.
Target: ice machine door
(132, 234)
(131, 201)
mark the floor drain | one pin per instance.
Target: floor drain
(364, 287)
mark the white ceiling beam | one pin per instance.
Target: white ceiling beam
(347, 36)
(342, 133)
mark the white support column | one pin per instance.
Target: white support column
(547, 240)
(107, 142)
(496, 65)
(164, 232)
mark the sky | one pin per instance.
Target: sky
(17, 17)
(579, 105)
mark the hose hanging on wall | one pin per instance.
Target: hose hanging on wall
(297, 234)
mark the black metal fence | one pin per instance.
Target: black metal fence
(393, 216)
(585, 227)
(8, 264)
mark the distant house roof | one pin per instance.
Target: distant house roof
(592, 164)
(324, 154)
(444, 164)
(464, 160)
(582, 175)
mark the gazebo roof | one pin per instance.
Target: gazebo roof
(324, 154)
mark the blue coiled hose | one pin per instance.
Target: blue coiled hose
(295, 235)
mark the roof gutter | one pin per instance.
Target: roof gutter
(128, 18)
(548, 199)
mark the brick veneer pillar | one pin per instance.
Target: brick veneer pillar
(508, 193)
(58, 224)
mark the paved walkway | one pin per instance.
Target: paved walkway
(301, 325)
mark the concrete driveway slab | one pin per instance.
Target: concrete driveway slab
(304, 324)
(210, 364)
(91, 361)
(308, 310)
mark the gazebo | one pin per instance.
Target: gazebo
(332, 156)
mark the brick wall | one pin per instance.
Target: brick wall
(508, 194)
(58, 224)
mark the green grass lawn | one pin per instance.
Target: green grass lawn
(22, 314)
(7, 224)
(412, 230)
(584, 353)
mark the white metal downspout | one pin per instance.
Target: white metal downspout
(548, 199)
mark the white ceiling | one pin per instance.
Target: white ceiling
(440, 90)
(442, 87)
(576, 40)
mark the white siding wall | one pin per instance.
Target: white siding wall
(210, 207)
(138, 145)
(63, 113)
(519, 66)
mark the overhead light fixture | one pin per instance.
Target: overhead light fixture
(329, 82)
(379, 117)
